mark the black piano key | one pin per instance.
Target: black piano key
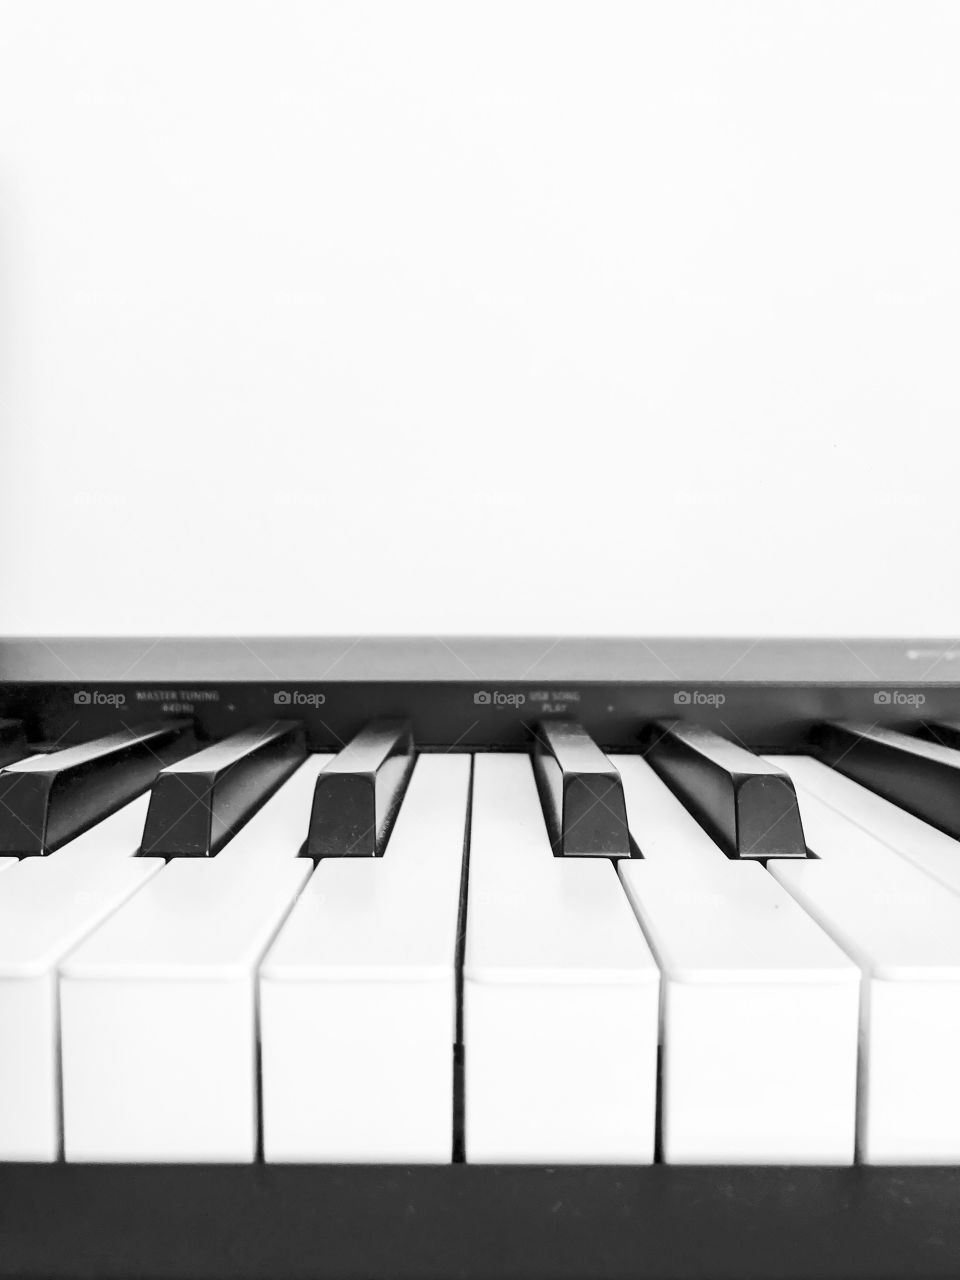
(919, 776)
(358, 793)
(197, 804)
(946, 732)
(13, 742)
(748, 806)
(47, 800)
(580, 792)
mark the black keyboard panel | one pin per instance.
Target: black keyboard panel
(477, 694)
(477, 1223)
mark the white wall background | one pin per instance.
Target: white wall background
(438, 317)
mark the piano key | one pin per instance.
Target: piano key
(946, 732)
(46, 907)
(581, 793)
(358, 999)
(662, 828)
(747, 805)
(911, 838)
(6, 863)
(197, 804)
(276, 832)
(359, 791)
(903, 929)
(561, 992)
(279, 830)
(116, 837)
(760, 1012)
(13, 743)
(834, 838)
(47, 800)
(158, 1015)
(922, 777)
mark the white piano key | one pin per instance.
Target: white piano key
(760, 1014)
(561, 992)
(158, 1014)
(114, 838)
(835, 838)
(931, 850)
(278, 830)
(358, 992)
(663, 828)
(903, 929)
(6, 863)
(46, 906)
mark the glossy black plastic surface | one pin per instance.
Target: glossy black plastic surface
(918, 775)
(197, 804)
(13, 743)
(748, 806)
(358, 793)
(580, 792)
(46, 802)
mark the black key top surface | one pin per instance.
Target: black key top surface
(197, 804)
(47, 800)
(747, 805)
(358, 793)
(581, 793)
(920, 776)
(13, 742)
(946, 732)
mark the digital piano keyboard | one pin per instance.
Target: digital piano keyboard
(479, 958)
